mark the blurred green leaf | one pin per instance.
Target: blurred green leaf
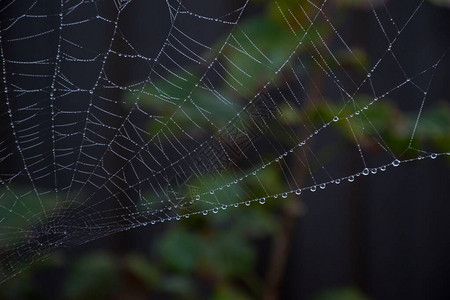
(93, 276)
(181, 250)
(140, 267)
(228, 292)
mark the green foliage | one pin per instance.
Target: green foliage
(93, 277)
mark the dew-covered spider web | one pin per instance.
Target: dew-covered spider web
(117, 114)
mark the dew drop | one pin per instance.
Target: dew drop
(298, 192)
(335, 119)
(396, 163)
(197, 198)
(313, 188)
(383, 168)
(211, 192)
(337, 181)
(323, 186)
(205, 212)
(351, 178)
(215, 210)
(366, 172)
(284, 195)
(373, 171)
(247, 203)
(236, 204)
(433, 156)
(262, 201)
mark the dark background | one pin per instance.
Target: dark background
(384, 237)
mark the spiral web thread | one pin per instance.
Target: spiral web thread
(83, 154)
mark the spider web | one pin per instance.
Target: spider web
(112, 119)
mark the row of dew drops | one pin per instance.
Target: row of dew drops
(297, 192)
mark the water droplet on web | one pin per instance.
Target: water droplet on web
(383, 168)
(351, 178)
(313, 189)
(197, 198)
(284, 195)
(335, 119)
(275, 196)
(152, 222)
(178, 218)
(205, 212)
(366, 172)
(262, 201)
(396, 163)
(373, 171)
(211, 192)
(254, 173)
(215, 210)
(224, 207)
(236, 205)
(433, 156)
(298, 192)
(247, 203)
(337, 181)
